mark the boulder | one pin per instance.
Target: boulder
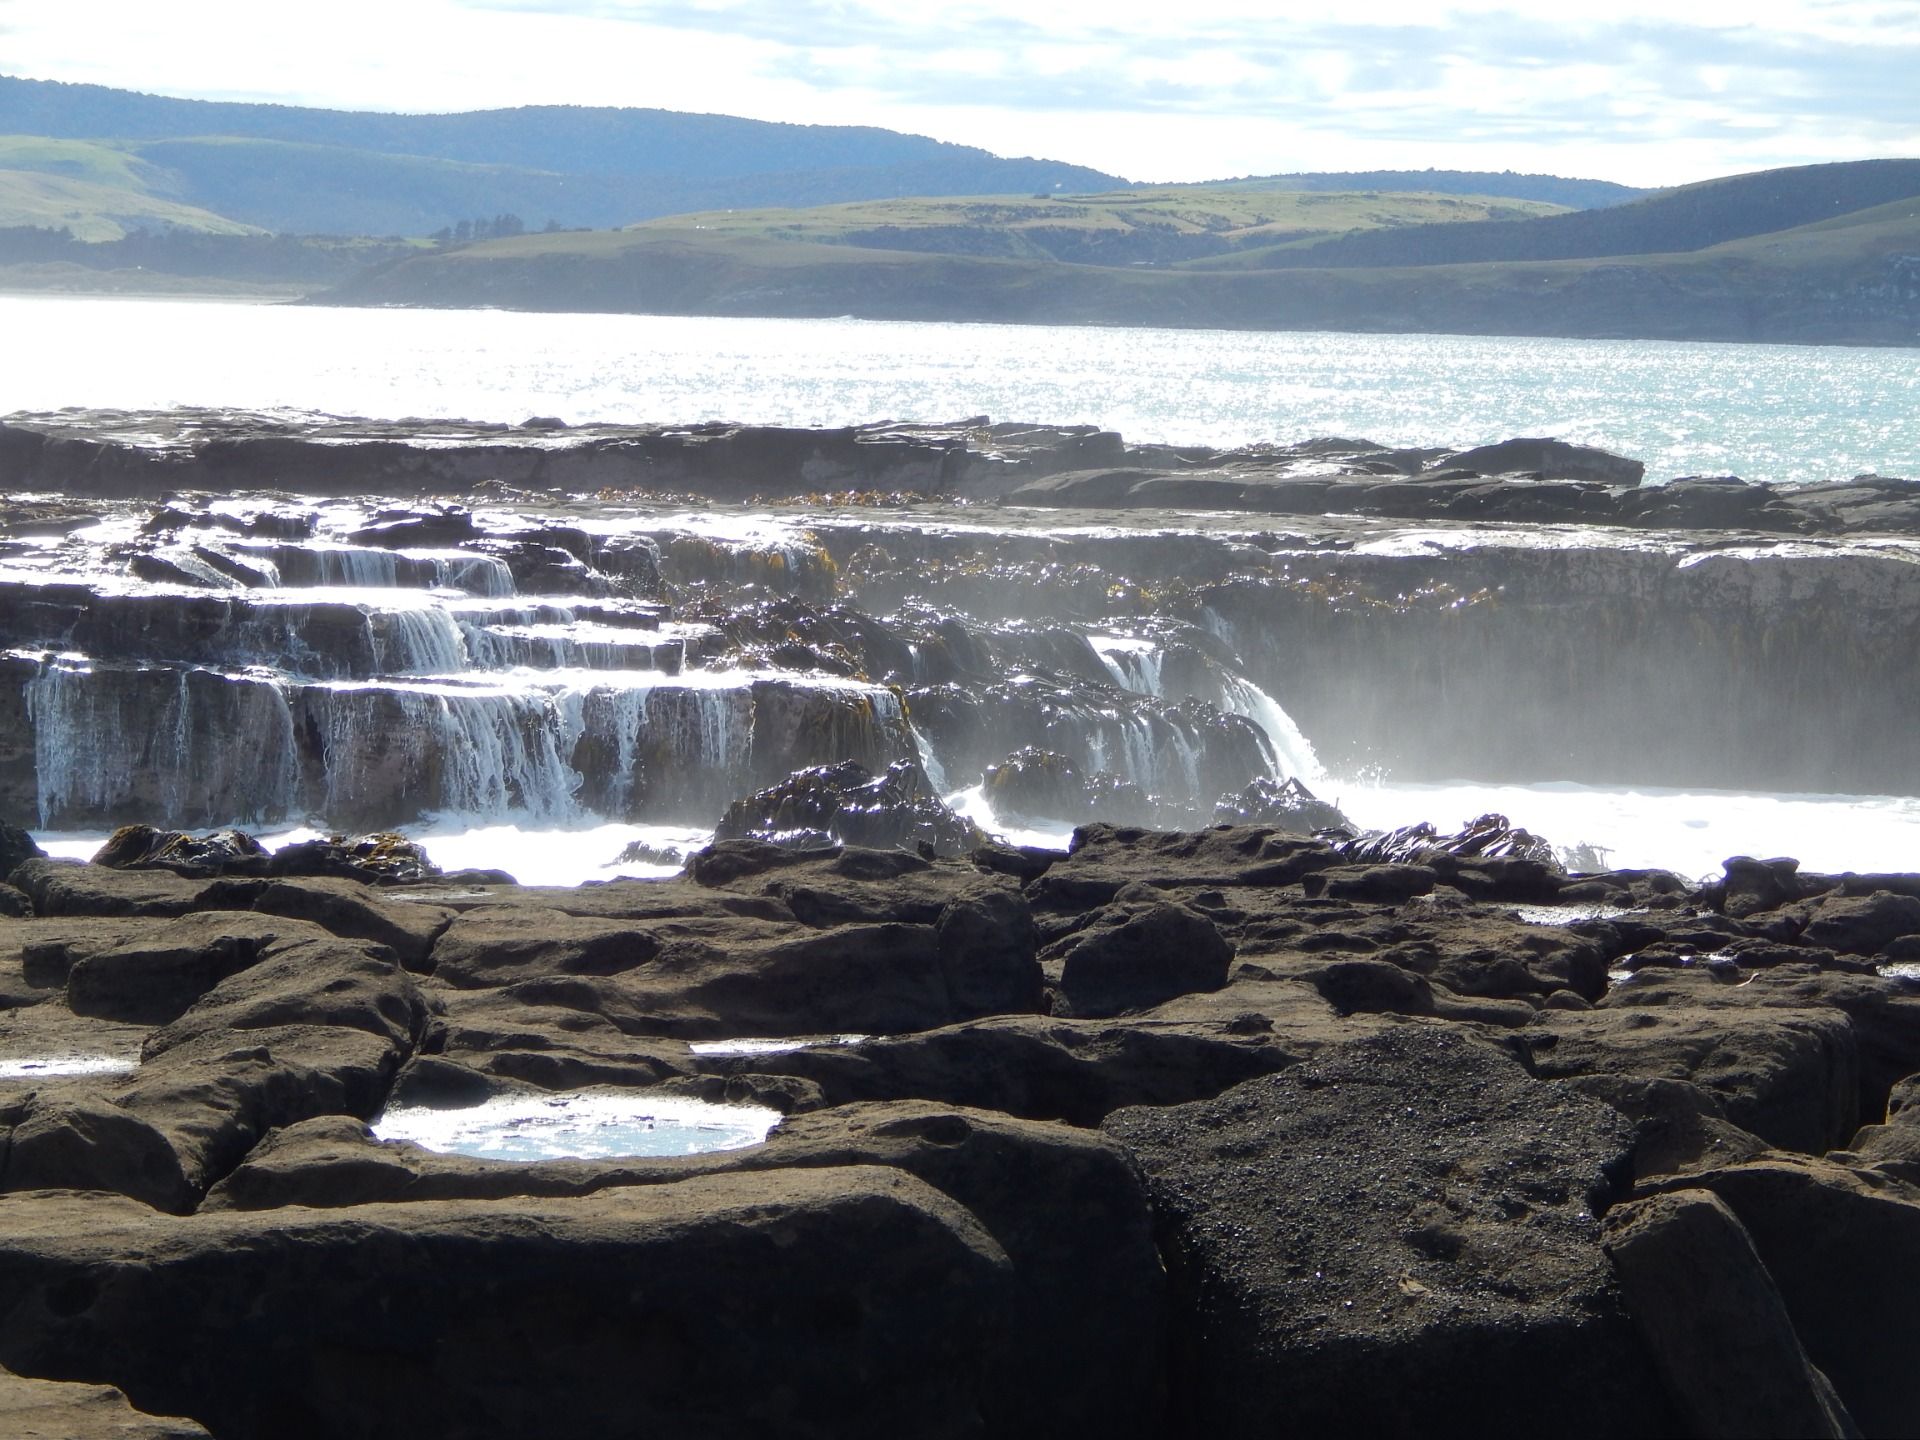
(850, 805)
(1751, 886)
(16, 846)
(1893, 1145)
(1038, 783)
(986, 942)
(1842, 1247)
(1284, 804)
(223, 852)
(1862, 924)
(62, 887)
(1139, 951)
(1549, 460)
(354, 911)
(379, 858)
(1714, 1322)
(1884, 1017)
(311, 980)
(1379, 884)
(1084, 1337)
(1791, 1077)
(1444, 1271)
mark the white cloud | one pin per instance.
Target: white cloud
(1619, 88)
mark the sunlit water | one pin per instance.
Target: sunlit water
(1687, 831)
(63, 1064)
(583, 1126)
(1766, 412)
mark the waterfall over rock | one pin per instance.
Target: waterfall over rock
(364, 670)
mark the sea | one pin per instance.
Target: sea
(1784, 414)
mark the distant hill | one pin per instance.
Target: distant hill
(1854, 279)
(1505, 184)
(1691, 217)
(347, 172)
(1171, 224)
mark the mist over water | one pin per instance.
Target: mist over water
(1764, 412)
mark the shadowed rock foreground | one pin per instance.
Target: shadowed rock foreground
(1207, 1133)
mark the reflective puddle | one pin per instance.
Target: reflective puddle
(720, 1048)
(583, 1127)
(36, 1067)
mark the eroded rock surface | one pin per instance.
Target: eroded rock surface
(1279, 1144)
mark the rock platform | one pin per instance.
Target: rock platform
(1206, 1133)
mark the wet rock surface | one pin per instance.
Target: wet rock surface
(1169, 1133)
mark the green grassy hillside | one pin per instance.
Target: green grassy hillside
(1692, 217)
(1148, 225)
(1845, 281)
(90, 210)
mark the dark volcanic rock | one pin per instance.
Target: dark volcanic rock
(849, 804)
(16, 845)
(142, 847)
(1550, 460)
(64, 887)
(53, 1410)
(380, 857)
(1395, 1236)
(1139, 951)
(1715, 1323)
(1083, 1337)
(1036, 784)
(605, 1315)
(1285, 804)
(1864, 924)
(155, 978)
(1842, 1246)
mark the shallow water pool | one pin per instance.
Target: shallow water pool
(579, 1127)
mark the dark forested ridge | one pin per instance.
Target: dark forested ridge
(557, 140)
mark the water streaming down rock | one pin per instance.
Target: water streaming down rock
(395, 684)
(362, 567)
(426, 641)
(1293, 754)
(196, 746)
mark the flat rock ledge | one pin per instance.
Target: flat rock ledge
(1537, 480)
(1174, 1134)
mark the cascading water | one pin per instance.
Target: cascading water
(1292, 752)
(423, 641)
(178, 747)
(1135, 664)
(404, 687)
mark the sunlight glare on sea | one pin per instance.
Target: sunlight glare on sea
(1765, 412)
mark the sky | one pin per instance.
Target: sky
(1646, 92)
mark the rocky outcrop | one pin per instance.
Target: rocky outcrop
(51, 1410)
(1454, 1240)
(1144, 1135)
(848, 804)
(1716, 1325)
